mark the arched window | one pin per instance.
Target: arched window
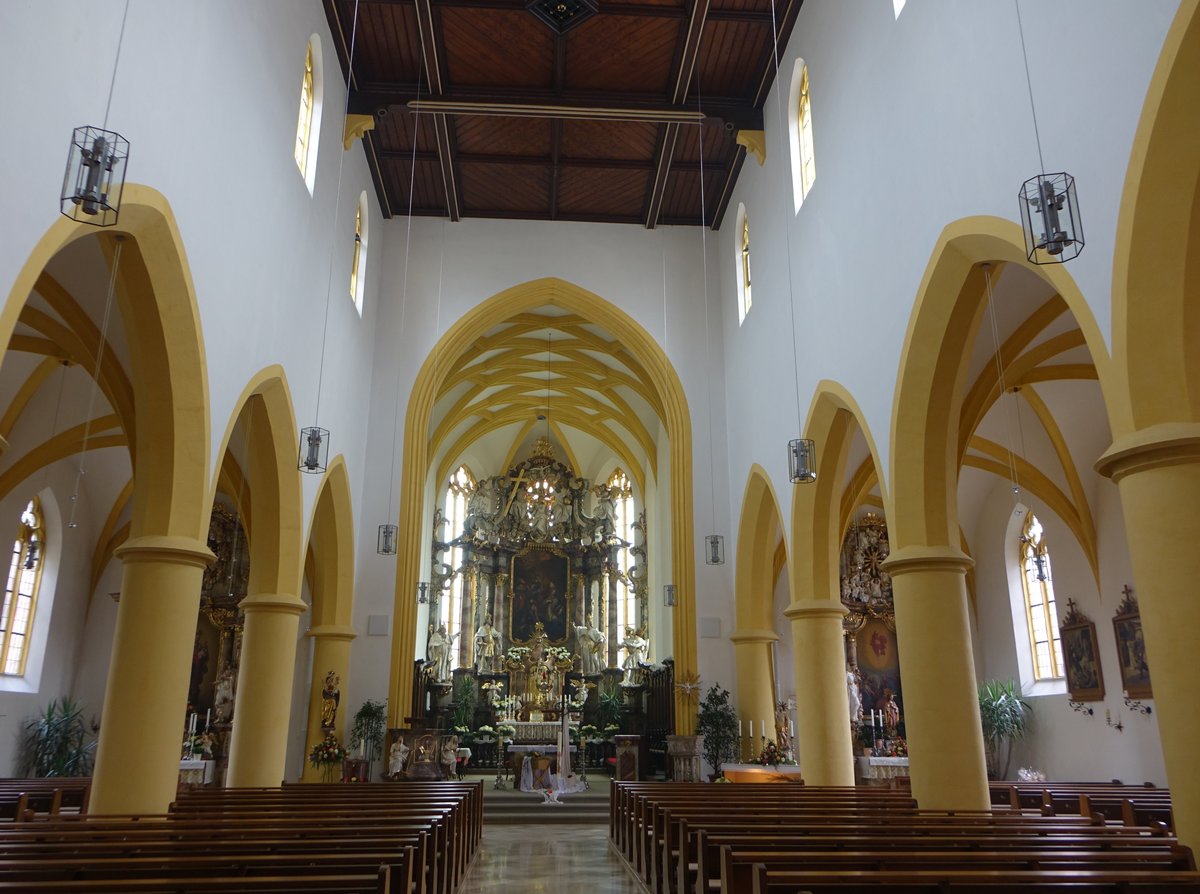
(743, 263)
(1041, 614)
(358, 266)
(898, 7)
(804, 165)
(626, 515)
(308, 125)
(20, 593)
(458, 492)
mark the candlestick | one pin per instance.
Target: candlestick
(207, 719)
(791, 729)
(739, 729)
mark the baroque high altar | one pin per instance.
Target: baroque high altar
(542, 569)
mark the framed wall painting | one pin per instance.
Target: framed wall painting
(541, 590)
(1131, 649)
(1081, 656)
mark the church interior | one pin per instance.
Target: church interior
(432, 391)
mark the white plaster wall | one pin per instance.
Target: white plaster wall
(918, 122)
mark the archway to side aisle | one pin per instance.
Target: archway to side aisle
(330, 559)
(261, 439)
(928, 434)
(754, 639)
(1155, 455)
(662, 389)
(168, 434)
(819, 518)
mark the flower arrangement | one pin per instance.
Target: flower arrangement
(516, 653)
(587, 731)
(327, 755)
(611, 730)
(464, 734)
(485, 733)
(505, 730)
(773, 757)
(558, 653)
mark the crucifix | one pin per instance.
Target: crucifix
(516, 483)
(1127, 591)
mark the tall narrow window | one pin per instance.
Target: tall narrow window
(20, 593)
(358, 264)
(462, 485)
(746, 301)
(625, 514)
(808, 164)
(304, 125)
(1040, 611)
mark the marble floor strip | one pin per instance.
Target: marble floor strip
(520, 859)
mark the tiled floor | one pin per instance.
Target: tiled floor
(535, 859)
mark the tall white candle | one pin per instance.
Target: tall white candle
(791, 729)
(751, 729)
(207, 719)
(739, 729)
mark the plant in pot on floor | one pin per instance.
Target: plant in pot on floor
(368, 730)
(718, 725)
(55, 742)
(1006, 718)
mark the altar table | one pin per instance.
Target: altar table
(761, 773)
(882, 767)
(197, 772)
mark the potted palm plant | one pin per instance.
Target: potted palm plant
(368, 730)
(55, 743)
(1005, 717)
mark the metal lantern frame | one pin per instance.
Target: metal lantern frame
(95, 176)
(669, 595)
(386, 541)
(314, 450)
(802, 461)
(1050, 218)
(714, 550)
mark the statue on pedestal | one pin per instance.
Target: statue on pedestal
(635, 647)
(854, 696)
(487, 647)
(440, 645)
(331, 695)
(397, 756)
(591, 647)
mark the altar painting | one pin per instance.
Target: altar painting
(879, 664)
(541, 580)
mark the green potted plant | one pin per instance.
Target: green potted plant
(718, 725)
(608, 705)
(55, 743)
(1005, 717)
(368, 730)
(462, 711)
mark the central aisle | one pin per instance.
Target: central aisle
(515, 859)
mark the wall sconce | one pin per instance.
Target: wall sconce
(1081, 708)
(1137, 707)
(1118, 726)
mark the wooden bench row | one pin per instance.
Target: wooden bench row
(22, 800)
(679, 839)
(1133, 805)
(404, 839)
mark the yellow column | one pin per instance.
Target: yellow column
(1158, 473)
(331, 652)
(941, 698)
(823, 746)
(141, 737)
(258, 747)
(755, 683)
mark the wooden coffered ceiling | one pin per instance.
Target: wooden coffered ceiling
(482, 110)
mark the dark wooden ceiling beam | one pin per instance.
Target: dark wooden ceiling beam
(697, 14)
(465, 158)
(434, 56)
(607, 8)
(733, 113)
(784, 23)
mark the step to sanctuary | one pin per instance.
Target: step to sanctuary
(508, 807)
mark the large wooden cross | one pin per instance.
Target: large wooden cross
(1127, 591)
(517, 482)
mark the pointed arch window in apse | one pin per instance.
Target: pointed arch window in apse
(458, 492)
(20, 594)
(1041, 612)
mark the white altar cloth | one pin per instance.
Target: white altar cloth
(882, 767)
(197, 772)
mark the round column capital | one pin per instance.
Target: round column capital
(754, 636)
(1166, 444)
(815, 609)
(333, 631)
(273, 603)
(165, 549)
(911, 559)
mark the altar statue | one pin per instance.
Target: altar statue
(635, 646)
(487, 647)
(591, 647)
(397, 756)
(891, 712)
(223, 696)
(854, 696)
(331, 695)
(440, 645)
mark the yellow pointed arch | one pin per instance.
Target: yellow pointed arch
(331, 545)
(758, 533)
(264, 410)
(157, 302)
(941, 331)
(676, 419)
(1156, 260)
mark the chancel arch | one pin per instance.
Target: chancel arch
(577, 322)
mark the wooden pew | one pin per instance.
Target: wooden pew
(1005, 881)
